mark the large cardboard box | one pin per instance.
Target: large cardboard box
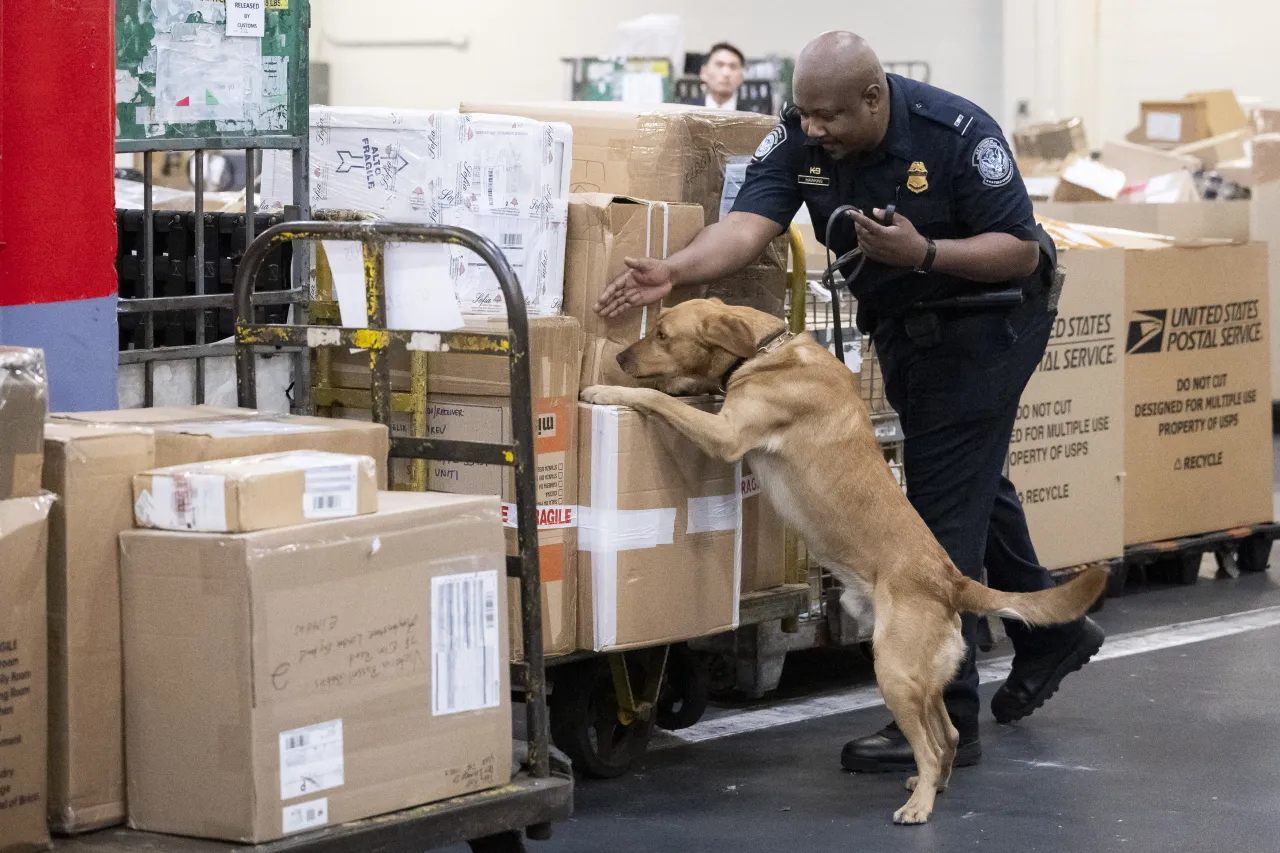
(1051, 140)
(665, 152)
(289, 679)
(24, 400)
(1184, 222)
(659, 533)
(255, 492)
(1066, 456)
(90, 468)
(470, 401)
(186, 434)
(603, 230)
(764, 538)
(1198, 437)
(1264, 211)
(24, 716)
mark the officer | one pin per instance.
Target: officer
(953, 371)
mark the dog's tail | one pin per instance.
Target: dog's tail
(1046, 607)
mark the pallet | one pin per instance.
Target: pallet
(1240, 550)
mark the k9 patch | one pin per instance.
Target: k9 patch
(776, 137)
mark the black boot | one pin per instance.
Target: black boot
(1031, 682)
(887, 751)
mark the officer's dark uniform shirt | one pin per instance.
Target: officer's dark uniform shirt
(944, 163)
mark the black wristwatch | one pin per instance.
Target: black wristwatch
(930, 254)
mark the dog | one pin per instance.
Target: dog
(795, 413)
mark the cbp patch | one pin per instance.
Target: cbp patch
(776, 137)
(993, 162)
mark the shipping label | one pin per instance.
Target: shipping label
(465, 661)
(311, 760)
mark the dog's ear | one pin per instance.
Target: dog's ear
(730, 333)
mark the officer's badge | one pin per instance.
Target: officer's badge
(993, 162)
(917, 177)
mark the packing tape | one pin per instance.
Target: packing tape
(626, 529)
(717, 512)
(604, 499)
(648, 250)
(737, 546)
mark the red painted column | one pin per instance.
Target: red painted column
(57, 193)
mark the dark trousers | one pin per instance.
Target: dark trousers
(957, 396)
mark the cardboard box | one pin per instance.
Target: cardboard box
(658, 533)
(90, 468)
(664, 152)
(1141, 163)
(1198, 116)
(759, 286)
(764, 538)
(256, 492)
(24, 400)
(1184, 222)
(1066, 456)
(604, 229)
(290, 679)
(488, 419)
(24, 715)
(1264, 210)
(186, 434)
(1089, 180)
(1052, 140)
(1198, 436)
(1217, 149)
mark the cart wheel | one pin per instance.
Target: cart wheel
(723, 677)
(503, 842)
(1188, 567)
(685, 690)
(1254, 554)
(585, 724)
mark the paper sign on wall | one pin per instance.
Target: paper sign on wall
(246, 18)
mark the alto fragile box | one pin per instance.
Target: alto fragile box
(603, 230)
(470, 400)
(1197, 390)
(256, 492)
(1067, 452)
(90, 467)
(24, 717)
(185, 434)
(659, 533)
(24, 400)
(285, 680)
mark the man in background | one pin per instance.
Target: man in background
(722, 74)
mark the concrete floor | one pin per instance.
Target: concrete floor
(1173, 748)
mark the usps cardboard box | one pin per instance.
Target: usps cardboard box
(348, 668)
(1066, 454)
(24, 716)
(1198, 437)
(90, 467)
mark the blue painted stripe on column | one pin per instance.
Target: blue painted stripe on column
(80, 343)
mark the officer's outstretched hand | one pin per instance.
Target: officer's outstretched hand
(897, 245)
(645, 282)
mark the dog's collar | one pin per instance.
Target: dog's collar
(769, 343)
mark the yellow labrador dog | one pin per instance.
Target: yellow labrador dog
(794, 412)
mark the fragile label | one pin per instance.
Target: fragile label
(466, 672)
(184, 502)
(330, 490)
(549, 517)
(750, 484)
(311, 759)
(246, 18)
(306, 815)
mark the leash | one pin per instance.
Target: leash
(829, 275)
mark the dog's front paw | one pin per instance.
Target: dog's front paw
(608, 395)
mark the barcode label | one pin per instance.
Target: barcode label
(311, 759)
(511, 240)
(305, 815)
(330, 491)
(465, 667)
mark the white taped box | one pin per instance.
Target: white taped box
(659, 533)
(533, 245)
(282, 680)
(256, 492)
